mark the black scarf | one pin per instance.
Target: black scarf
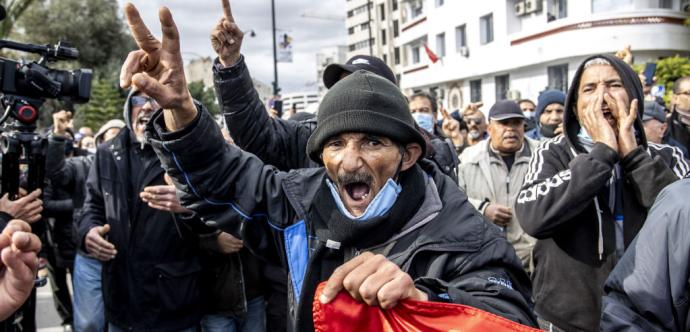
(367, 233)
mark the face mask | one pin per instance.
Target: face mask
(383, 201)
(425, 121)
(683, 116)
(548, 130)
(91, 150)
(530, 123)
(584, 139)
(529, 115)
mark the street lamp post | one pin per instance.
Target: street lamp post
(275, 52)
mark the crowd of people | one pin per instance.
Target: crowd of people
(566, 214)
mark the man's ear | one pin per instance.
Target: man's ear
(412, 153)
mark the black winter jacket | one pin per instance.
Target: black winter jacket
(68, 174)
(455, 256)
(564, 203)
(153, 283)
(58, 207)
(282, 143)
(648, 290)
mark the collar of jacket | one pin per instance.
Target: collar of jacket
(481, 152)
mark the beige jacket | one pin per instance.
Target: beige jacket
(484, 177)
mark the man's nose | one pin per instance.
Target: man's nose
(352, 159)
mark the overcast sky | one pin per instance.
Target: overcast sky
(196, 18)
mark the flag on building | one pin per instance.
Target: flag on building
(285, 48)
(432, 56)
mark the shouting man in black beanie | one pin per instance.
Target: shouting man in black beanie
(375, 220)
(587, 192)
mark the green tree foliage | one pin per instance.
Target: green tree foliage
(106, 103)
(14, 9)
(205, 95)
(670, 69)
(95, 27)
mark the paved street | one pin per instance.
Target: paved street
(47, 319)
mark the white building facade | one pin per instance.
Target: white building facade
(304, 101)
(495, 49)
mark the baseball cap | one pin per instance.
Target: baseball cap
(505, 109)
(372, 64)
(652, 110)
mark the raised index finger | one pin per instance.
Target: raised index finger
(227, 11)
(142, 34)
(444, 113)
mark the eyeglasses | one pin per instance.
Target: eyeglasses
(142, 100)
(476, 121)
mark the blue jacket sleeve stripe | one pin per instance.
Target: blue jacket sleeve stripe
(297, 250)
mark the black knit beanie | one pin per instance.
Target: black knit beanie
(364, 102)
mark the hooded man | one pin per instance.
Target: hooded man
(549, 115)
(151, 267)
(587, 193)
(376, 220)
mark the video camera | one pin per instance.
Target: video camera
(24, 87)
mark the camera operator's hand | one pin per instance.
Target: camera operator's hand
(97, 245)
(157, 70)
(226, 37)
(18, 265)
(27, 208)
(61, 121)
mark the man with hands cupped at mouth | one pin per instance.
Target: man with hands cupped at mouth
(587, 192)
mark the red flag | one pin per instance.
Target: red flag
(346, 314)
(432, 56)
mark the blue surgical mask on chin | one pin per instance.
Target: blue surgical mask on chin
(383, 201)
(424, 120)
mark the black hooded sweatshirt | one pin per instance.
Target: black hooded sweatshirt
(565, 204)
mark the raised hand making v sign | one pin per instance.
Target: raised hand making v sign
(156, 68)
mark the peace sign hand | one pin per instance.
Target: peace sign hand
(156, 68)
(226, 37)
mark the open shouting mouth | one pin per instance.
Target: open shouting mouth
(356, 191)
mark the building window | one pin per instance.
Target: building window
(351, 47)
(350, 30)
(460, 38)
(502, 86)
(415, 54)
(416, 9)
(396, 55)
(350, 13)
(385, 59)
(382, 12)
(439, 3)
(557, 9)
(475, 91)
(383, 37)
(396, 30)
(558, 77)
(364, 26)
(395, 5)
(668, 4)
(441, 44)
(599, 6)
(486, 29)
